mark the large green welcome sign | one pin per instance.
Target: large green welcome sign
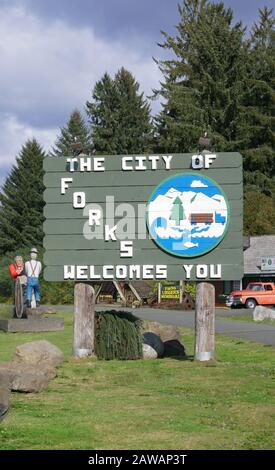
(142, 217)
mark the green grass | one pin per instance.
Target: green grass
(161, 404)
(248, 318)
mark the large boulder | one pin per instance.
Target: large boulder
(173, 348)
(149, 352)
(165, 332)
(39, 353)
(4, 396)
(261, 313)
(26, 378)
(154, 341)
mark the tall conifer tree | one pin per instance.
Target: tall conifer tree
(203, 80)
(257, 119)
(119, 115)
(21, 201)
(74, 131)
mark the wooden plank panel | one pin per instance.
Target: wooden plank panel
(179, 161)
(66, 211)
(78, 226)
(132, 178)
(123, 193)
(157, 256)
(232, 239)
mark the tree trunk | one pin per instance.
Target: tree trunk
(205, 322)
(84, 320)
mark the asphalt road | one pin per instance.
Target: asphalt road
(261, 333)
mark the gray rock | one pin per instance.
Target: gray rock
(165, 332)
(39, 353)
(26, 378)
(149, 352)
(151, 339)
(173, 348)
(261, 313)
(4, 396)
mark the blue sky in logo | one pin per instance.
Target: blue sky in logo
(188, 215)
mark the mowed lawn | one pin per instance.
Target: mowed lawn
(161, 404)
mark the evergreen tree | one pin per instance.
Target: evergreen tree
(203, 81)
(257, 121)
(21, 201)
(119, 115)
(259, 214)
(177, 213)
(75, 131)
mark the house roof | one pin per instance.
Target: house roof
(259, 246)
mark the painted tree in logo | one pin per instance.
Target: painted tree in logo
(178, 212)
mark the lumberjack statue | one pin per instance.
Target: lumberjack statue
(33, 269)
(18, 274)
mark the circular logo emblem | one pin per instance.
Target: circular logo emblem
(188, 215)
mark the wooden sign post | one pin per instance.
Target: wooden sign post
(84, 320)
(205, 322)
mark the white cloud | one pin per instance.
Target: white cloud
(13, 134)
(168, 232)
(50, 67)
(198, 184)
(214, 231)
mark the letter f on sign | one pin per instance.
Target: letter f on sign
(64, 184)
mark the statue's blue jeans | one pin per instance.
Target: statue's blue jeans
(33, 285)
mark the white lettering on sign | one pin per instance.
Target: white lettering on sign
(202, 161)
(202, 271)
(110, 233)
(106, 274)
(79, 200)
(69, 272)
(120, 271)
(98, 164)
(126, 249)
(142, 163)
(94, 217)
(209, 158)
(188, 268)
(82, 272)
(154, 159)
(147, 271)
(65, 184)
(87, 164)
(72, 162)
(213, 271)
(167, 160)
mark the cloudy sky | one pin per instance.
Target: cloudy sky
(53, 51)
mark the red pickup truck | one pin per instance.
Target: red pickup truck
(256, 293)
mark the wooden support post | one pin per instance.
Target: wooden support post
(181, 291)
(205, 322)
(84, 320)
(159, 292)
(121, 293)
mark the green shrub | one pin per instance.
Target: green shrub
(118, 335)
(190, 287)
